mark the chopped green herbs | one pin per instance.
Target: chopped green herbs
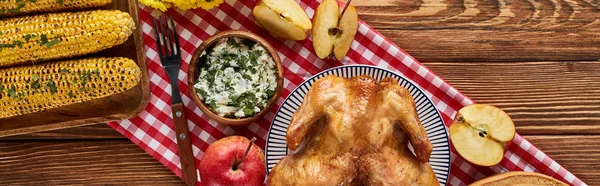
(52, 43)
(48, 43)
(12, 92)
(36, 83)
(238, 78)
(18, 43)
(51, 86)
(15, 10)
(27, 37)
(7, 46)
(248, 112)
(97, 72)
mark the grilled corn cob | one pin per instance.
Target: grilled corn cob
(20, 7)
(29, 39)
(28, 89)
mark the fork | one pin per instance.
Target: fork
(169, 50)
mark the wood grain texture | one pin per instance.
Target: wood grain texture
(96, 132)
(541, 97)
(122, 162)
(488, 30)
(184, 145)
(80, 163)
(472, 44)
(579, 154)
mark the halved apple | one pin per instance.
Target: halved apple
(283, 18)
(332, 34)
(480, 133)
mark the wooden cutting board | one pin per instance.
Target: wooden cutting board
(115, 107)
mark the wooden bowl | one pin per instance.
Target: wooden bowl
(196, 64)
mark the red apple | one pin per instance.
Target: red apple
(233, 160)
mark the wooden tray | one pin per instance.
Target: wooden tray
(115, 107)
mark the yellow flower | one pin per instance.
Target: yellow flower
(182, 4)
(185, 4)
(158, 4)
(209, 4)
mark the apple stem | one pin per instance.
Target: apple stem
(460, 119)
(245, 154)
(345, 7)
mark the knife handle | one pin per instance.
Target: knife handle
(184, 143)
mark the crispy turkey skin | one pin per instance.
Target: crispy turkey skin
(356, 132)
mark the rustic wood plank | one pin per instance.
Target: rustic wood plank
(541, 97)
(80, 163)
(97, 131)
(483, 30)
(579, 154)
(62, 162)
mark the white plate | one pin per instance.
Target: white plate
(431, 119)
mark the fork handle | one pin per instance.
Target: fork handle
(184, 143)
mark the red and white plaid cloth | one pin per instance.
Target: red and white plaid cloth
(153, 129)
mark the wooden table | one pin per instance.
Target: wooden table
(536, 59)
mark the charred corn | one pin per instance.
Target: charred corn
(29, 39)
(20, 7)
(29, 89)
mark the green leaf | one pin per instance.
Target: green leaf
(270, 93)
(61, 2)
(7, 46)
(85, 77)
(51, 86)
(18, 43)
(248, 112)
(27, 37)
(21, 95)
(1, 87)
(18, 1)
(35, 82)
(213, 105)
(232, 42)
(97, 72)
(12, 92)
(71, 94)
(32, 1)
(52, 43)
(64, 70)
(44, 39)
(72, 83)
(17, 9)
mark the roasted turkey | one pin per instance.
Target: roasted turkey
(355, 132)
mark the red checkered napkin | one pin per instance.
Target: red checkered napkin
(153, 129)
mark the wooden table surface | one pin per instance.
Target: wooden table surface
(536, 59)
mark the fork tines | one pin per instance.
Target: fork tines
(165, 30)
